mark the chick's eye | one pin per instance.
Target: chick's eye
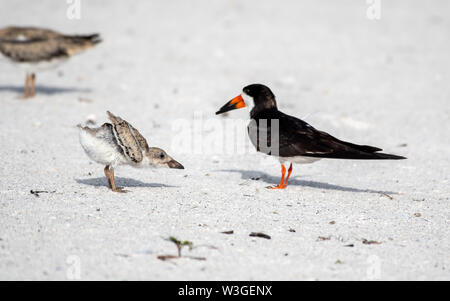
(161, 156)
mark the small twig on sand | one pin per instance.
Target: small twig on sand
(322, 238)
(36, 192)
(166, 257)
(180, 244)
(370, 242)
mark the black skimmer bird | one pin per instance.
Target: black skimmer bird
(295, 140)
(119, 143)
(38, 49)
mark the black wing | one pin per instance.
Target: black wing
(33, 50)
(298, 138)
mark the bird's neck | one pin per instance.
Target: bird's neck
(261, 111)
(265, 104)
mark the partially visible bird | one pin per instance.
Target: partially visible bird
(37, 49)
(290, 139)
(119, 143)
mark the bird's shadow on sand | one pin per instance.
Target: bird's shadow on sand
(121, 182)
(48, 90)
(293, 181)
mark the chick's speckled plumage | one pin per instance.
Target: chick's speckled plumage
(119, 143)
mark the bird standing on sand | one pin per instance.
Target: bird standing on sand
(37, 49)
(119, 143)
(295, 140)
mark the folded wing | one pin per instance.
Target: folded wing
(130, 140)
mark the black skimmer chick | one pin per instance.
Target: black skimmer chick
(38, 49)
(119, 143)
(297, 141)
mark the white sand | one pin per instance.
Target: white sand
(383, 83)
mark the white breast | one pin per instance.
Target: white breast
(298, 159)
(43, 65)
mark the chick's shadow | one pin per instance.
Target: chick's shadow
(42, 89)
(253, 175)
(121, 182)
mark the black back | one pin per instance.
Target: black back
(298, 138)
(263, 98)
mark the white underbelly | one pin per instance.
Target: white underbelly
(42, 66)
(298, 159)
(99, 150)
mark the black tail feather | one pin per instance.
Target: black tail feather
(94, 38)
(357, 151)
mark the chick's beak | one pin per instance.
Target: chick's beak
(174, 164)
(235, 103)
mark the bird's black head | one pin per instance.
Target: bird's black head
(257, 96)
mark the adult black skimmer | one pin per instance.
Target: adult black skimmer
(290, 139)
(37, 49)
(119, 143)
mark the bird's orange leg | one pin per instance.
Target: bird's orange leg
(283, 184)
(288, 175)
(283, 172)
(108, 176)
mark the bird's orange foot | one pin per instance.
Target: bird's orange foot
(24, 96)
(277, 187)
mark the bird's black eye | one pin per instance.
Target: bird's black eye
(161, 155)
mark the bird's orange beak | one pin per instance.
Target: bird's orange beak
(235, 103)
